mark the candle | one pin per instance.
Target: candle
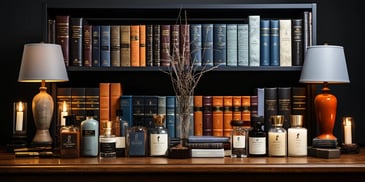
(64, 113)
(347, 130)
(19, 117)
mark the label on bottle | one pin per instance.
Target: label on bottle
(120, 142)
(107, 145)
(277, 144)
(88, 133)
(159, 144)
(239, 141)
(137, 144)
(257, 145)
(69, 141)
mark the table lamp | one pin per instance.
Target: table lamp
(42, 62)
(325, 64)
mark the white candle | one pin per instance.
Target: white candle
(347, 132)
(63, 114)
(19, 117)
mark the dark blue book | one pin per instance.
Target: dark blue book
(126, 106)
(105, 46)
(138, 110)
(96, 46)
(207, 44)
(219, 43)
(264, 42)
(196, 44)
(170, 115)
(274, 43)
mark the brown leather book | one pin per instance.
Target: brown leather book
(125, 40)
(115, 45)
(198, 115)
(104, 111)
(62, 35)
(165, 45)
(227, 115)
(185, 43)
(142, 45)
(207, 115)
(217, 115)
(134, 45)
(237, 112)
(87, 46)
(115, 93)
(175, 41)
(246, 111)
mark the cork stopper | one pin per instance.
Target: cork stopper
(159, 119)
(277, 120)
(296, 120)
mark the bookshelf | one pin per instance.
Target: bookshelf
(226, 80)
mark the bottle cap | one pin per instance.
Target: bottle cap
(119, 112)
(277, 120)
(237, 123)
(296, 120)
(70, 120)
(89, 113)
(159, 119)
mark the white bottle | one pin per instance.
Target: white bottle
(297, 137)
(277, 139)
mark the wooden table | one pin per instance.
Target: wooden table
(349, 167)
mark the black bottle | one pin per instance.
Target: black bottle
(257, 138)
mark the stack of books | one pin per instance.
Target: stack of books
(209, 146)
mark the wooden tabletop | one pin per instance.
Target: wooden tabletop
(354, 163)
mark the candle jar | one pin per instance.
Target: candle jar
(348, 132)
(20, 120)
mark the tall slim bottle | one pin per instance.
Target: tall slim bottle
(121, 137)
(90, 136)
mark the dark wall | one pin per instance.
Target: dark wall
(338, 23)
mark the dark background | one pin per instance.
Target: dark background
(338, 23)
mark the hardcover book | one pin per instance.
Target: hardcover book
(284, 104)
(237, 109)
(297, 42)
(246, 110)
(87, 46)
(105, 46)
(149, 45)
(115, 45)
(220, 46)
(232, 45)
(138, 110)
(114, 105)
(271, 107)
(196, 44)
(150, 109)
(170, 115)
(142, 45)
(125, 51)
(175, 41)
(134, 45)
(217, 114)
(185, 42)
(254, 40)
(207, 115)
(156, 45)
(274, 43)
(162, 105)
(285, 42)
(299, 103)
(165, 45)
(78, 104)
(51, 28)
(242, 44)
(208, 139)
(62, 35)
(227, 115)
(207, 152)
(76, 33)
(104, 102)
(92, 101)
(207, 44)
(126, 106)
(198, 115)
(265, 42)
(96, 46)
(260, 101)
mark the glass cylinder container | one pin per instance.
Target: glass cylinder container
(277, 139)
(239, 139)
(297, 137)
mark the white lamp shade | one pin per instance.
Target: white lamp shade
(324, 63)
(42, 61)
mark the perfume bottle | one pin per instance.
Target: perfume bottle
(137, 139)
(107, 142)
(297, 137)
(239, 139)
(121, 137)
(277, 139)
(69, 139)
(257, 138)
(158, 137)
(90, 136)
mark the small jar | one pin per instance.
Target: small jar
(239, 139)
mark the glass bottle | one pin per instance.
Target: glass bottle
(159, 137)
(121, 138)
(69, 139)
(239, 139)
(137, 139)
(297, 137)
(107, 142)
(277, 141)
(90, 136)
(257, 138)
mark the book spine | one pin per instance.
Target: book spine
(76, 34)
(161, 105)
(92, 101)
(125, 51)
(271, 107)
(220, 44)
(126, 106)
(51, 29)
(206, 145)
(274, 43)
(246, 110)
(105, 46)
(207, 115)
(232, 45)
(227, 115)
(217, 115)
(142, 45)
(254, 40)
(264, 42)
(115, 93)
(299, 102)
(196, 44)
(134, 33)
(198, 115)
(138, 110)
(305, 30)
(149, 45)
(78, 104)
(185, 43)
(237, 107)
(115, 45)
(208, 139)
(165, 45)
(87, 46)
(170, 116)
(242, 44)
(156, 45)
(297, 42)
(284, 104)
(285, 42)
(260, 101)
(96, 46)
(253, 107)
(104, 102)
(62, 36)
(175, 42)
(207, 44)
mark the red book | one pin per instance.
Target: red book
(217, 113)
(87, 46)
(227, 115)
(207, 115)
(62, 35)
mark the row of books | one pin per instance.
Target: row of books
(256, 42)
(210, 115)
